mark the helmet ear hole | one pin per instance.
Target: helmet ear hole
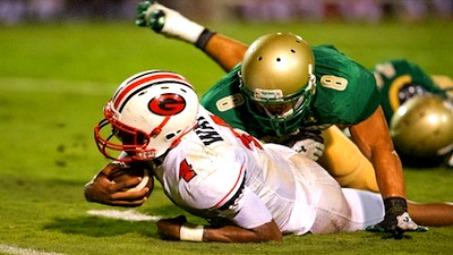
(171, 135)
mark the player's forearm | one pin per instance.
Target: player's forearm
(373, 139)
(433, 214)
(225, 51)
(234, 234)
(178, 229)
(389, 173)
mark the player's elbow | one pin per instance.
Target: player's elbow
(269, 232)
(87, 192)
(272, 237)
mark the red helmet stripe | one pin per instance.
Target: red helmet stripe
(146, 80)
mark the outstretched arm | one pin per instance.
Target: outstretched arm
(226, 51)
(373, 139)
(432, 214)
(178, 229)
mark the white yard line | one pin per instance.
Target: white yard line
(56, 86)
(9, 249)
(127, 215)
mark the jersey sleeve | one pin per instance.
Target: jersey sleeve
(214, 100)
(346, 91)
(215, 182)
(212, 179)
(249, 210)
(225, 100)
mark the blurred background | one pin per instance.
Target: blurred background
(97, 41)
(17, 11)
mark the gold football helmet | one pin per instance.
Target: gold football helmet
(423, 126)
(277, 76)
(444, 82)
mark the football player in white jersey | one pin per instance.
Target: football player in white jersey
(249, 191)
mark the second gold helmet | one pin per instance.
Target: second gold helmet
(423, 126)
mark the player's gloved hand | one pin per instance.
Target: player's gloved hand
(150, 14)
(310, 144)
(396, 220)
(169, 228)
(105, 191)
(167, 22)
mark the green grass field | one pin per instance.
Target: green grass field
(54, 80)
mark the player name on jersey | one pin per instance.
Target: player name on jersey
(206, 132)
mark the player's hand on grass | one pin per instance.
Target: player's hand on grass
(396, 220)
(169, 228)
(101, 189)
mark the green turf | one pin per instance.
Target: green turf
(54, 80)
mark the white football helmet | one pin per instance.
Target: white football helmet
(148, 114)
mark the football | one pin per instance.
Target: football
(123, 174)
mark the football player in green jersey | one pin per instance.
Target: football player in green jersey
(284, 88)
(407, 90)
(399, 80)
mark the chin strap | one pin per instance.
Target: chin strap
(178, 139)
(157, 130)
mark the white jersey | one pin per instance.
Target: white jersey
(219, 172)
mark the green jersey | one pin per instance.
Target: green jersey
(346, 94)
(400, 80)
